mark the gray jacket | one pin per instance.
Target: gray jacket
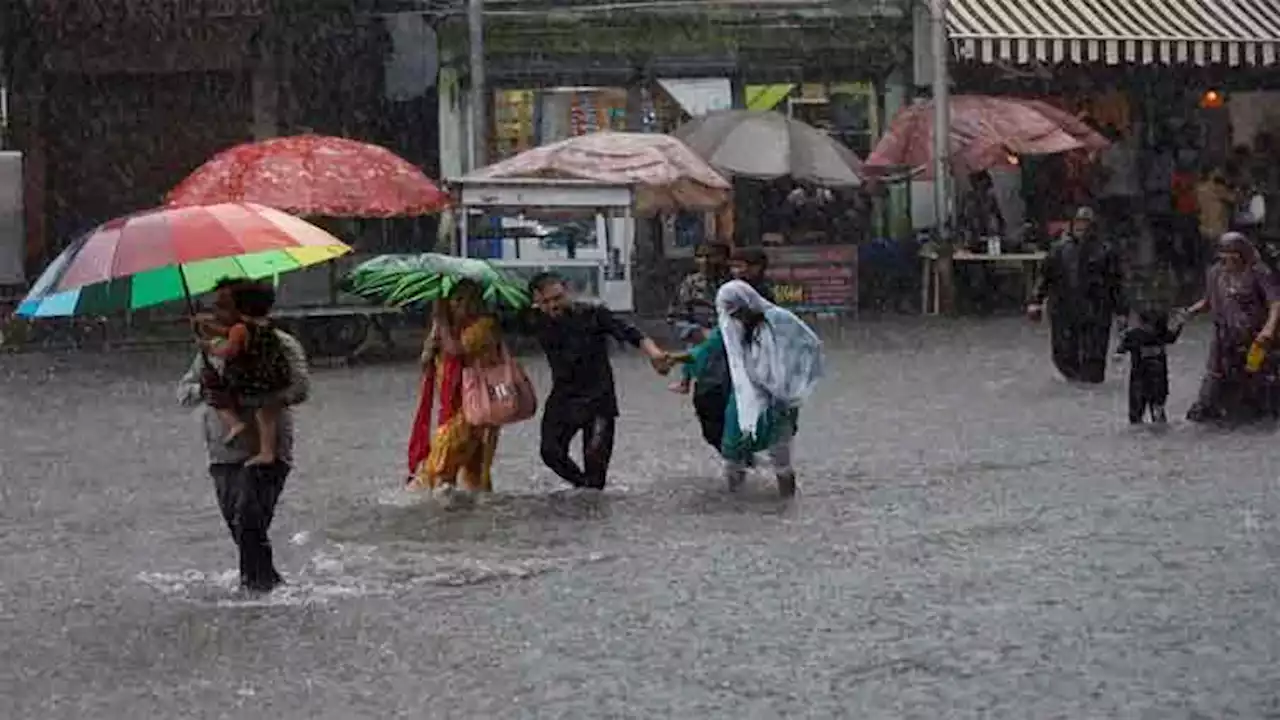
(191, 396)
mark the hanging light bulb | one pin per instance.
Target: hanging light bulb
(1212, 100)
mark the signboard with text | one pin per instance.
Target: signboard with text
(815, 278)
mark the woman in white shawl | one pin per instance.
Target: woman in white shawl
(775, 360)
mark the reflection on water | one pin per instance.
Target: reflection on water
(408, 540)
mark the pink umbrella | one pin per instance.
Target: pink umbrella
(667, 175)
(313, 175)
(985, 132)
(1077, 128)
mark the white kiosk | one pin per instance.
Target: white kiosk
(580, 229)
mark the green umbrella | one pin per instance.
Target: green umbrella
(399, 280)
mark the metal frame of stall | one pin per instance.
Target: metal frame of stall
(612, 206)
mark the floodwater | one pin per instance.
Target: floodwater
(973, 538)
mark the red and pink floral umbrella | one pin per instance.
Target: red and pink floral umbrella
(985, 131)
(313, 175)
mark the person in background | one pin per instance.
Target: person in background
(693, 311)
(1215, 201)
(1157, 192)
(583, 399)
(1146, 345)
(751, 264)
(247, 494)
(1243, 296)
(981, 210)
(1190, 251)
(1119, 187)
(1083, 283)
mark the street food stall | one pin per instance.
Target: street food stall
(989, 138)
(580, 229)
(569, 207)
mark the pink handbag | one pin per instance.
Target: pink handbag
(500, 394)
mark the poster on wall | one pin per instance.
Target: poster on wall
(815, 279)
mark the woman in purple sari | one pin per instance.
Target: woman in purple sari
(1243, 296)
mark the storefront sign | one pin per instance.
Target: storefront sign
(815, 278)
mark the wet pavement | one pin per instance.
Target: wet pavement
(973, 538)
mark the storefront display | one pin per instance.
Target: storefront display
(513, 122)
(525, 119)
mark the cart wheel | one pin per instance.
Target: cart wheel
(340, 337)
(298, 329)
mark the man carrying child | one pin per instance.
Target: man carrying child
(247, 494)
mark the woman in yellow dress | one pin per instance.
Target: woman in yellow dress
(462, 334)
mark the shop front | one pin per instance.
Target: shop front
(1180, 85)
(651, 70)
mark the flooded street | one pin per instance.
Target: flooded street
(973, 538)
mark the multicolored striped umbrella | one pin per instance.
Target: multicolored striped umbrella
(168, 254)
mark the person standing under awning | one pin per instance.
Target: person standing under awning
(1120, 188)
(1083, 283)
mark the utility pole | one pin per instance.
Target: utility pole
(941, 116)
(478, 102)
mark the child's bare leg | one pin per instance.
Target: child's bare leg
(231, 420)
(267, 418)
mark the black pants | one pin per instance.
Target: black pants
(1148, 389)
(561, 421)
(709, 406)
(247, 497)
(1080, 347)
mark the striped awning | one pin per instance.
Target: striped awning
(1199, 32)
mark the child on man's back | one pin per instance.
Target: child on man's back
(256, 369)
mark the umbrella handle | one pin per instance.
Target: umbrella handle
(191, 313)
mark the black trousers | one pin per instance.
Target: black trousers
(1148, 389)
(709, 406)
(247, 497)
(561, 421)
(1080, 347)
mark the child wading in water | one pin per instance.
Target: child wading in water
(1149, 364)
(256, 369)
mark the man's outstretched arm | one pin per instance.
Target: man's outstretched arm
(626, 332)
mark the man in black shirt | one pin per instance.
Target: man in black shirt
(575, 337)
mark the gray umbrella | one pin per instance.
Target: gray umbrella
(768, 145)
